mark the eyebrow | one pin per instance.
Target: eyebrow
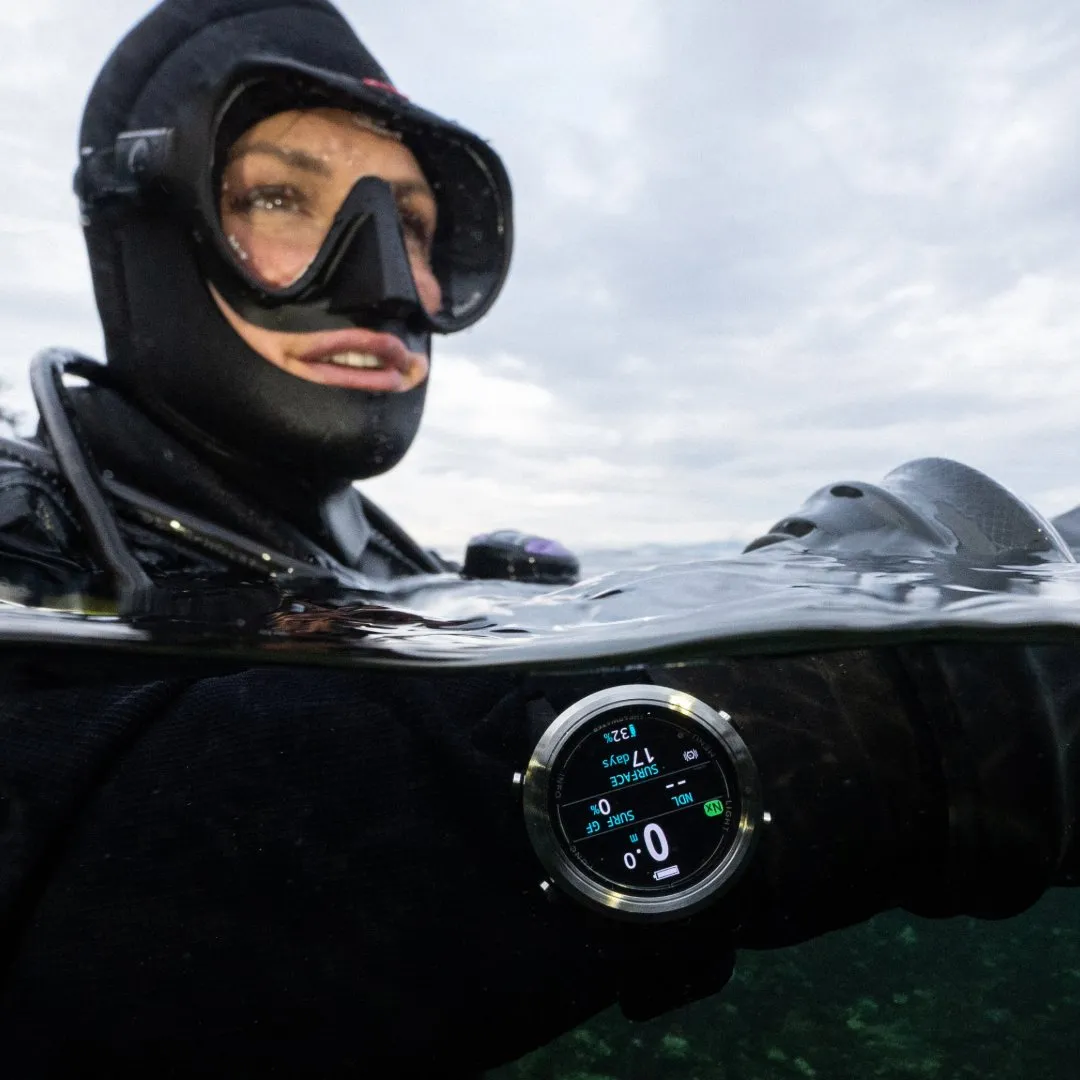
(411, 187)
(301, 159)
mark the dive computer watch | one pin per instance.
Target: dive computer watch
(642, 802)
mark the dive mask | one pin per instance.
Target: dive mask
(353, 264)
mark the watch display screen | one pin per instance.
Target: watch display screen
(644, 799)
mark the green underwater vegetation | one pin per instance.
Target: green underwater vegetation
(898, 998)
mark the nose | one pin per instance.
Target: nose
(427, 285)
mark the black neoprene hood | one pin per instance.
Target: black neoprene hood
(167, 341)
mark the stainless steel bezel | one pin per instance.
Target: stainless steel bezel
(568, 875)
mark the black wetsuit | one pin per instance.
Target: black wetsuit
(292, 872)
(183, 512)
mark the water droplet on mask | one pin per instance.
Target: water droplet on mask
(236, 246)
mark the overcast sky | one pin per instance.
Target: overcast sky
(762, 245)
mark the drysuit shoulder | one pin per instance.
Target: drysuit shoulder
(42, 549)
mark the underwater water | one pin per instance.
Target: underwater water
(898, 997)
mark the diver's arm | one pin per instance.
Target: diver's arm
(295, 867)
(1055, 673)
(297, 871)
(855, 812)
(942, 779)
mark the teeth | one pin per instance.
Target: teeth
(355, 360)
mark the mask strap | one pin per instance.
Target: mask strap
(137, 159)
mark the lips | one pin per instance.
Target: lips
(361, 360)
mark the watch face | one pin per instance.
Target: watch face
(642, 801)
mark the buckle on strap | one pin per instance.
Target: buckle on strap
(137, 159)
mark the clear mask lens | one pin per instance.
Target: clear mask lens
(284, 182)
(289, 156)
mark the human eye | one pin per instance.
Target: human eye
(268, 198)
(418, 227)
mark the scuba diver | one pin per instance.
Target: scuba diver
(233, 871)
(275, 233)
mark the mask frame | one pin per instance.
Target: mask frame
(180, 168)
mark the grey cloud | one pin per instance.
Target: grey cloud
(760, 246)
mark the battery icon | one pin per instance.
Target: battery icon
(714, 808)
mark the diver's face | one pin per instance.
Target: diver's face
(285, 179)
